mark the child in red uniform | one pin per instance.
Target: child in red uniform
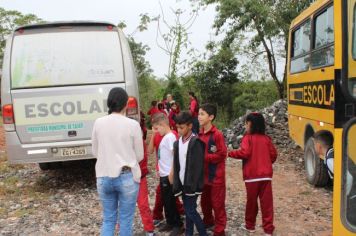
(142, 198)
(258, 154)
(172, 115)
(153, 110)
(214, 191)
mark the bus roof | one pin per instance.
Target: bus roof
(64, 23)
(309, 11)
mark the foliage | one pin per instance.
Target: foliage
(215, 78)
(176, 90)
(253, 95)
(9, 20)
(172, 38)
(269, 22)
(149, 88)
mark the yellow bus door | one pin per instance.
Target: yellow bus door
(344, 200)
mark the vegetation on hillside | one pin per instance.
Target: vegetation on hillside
(218, 75)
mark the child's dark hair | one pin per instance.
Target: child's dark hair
(258, 125)
(325, 138)
(160, 106)
(117, 100)
(210, 109)
(153, 103)
(184, 118)
(193, 95)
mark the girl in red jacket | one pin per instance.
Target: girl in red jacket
(258, 154)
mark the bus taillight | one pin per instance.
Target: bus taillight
(132, 108)
(8, 114)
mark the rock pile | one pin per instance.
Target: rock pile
(276, 118)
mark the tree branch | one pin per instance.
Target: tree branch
(157, 33)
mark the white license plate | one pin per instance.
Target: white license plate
(72, 151)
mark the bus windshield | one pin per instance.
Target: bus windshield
(65, 58)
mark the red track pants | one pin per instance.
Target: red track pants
(144, 207)
(213, 199)
(263, 191)
(158, 208)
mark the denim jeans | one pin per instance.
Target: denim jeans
(118, 195)
(192, 216)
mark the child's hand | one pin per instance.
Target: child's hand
(230, 147)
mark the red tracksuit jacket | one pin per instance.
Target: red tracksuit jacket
(214, 164)
(258, 154)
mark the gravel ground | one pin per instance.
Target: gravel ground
(65, 201)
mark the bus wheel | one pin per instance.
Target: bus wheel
(316, 171)
(44, 166)
(50, 165)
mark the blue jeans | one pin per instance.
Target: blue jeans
(114, 192)
(192, 216)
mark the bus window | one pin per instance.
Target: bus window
(354, 35)
(323, 43)
(352, 82)
(350, 177)
(301, 48)
(66, 58)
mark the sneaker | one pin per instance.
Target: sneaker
(177, 231)
(243, 227)
(166, 228)
(156, 223)
(209, 228)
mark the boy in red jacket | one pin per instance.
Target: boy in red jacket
(258, 154)
(214, 191)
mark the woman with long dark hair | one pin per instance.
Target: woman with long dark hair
(117, 145)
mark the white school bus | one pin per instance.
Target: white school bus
(55, 82)
(322, 96)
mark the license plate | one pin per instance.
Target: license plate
(72, 151)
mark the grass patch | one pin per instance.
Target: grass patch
(305, 193)
(22, 212)
(2, 211)
(4, 168)
(12, 180)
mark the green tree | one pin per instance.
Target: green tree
(149, 88)
(268, 20)
(253, 95)
(9, 20)
(172, 38)
(215, 78)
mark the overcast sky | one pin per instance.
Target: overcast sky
(115, 11)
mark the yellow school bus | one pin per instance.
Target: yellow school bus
(322, 96)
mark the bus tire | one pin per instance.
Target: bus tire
(315, 168)
(44, 166)
(50, 165)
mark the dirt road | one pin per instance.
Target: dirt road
(65, 202)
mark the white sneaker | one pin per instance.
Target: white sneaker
(243, 227)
